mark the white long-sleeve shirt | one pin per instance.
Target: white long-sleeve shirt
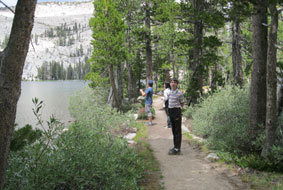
(165, 95)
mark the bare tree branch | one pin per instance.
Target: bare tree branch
(7, 7)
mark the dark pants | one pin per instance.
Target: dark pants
(168, 117)
(176, 122)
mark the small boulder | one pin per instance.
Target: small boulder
(134, 130)
(130, 136)
(212, 157)
(136, 116)
(131, 142)
(65, 129)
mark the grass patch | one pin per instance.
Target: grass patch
(142, 133)
(264, 180)
(195, 143)
(259, 180)
(151, 180)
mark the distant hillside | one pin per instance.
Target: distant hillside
(61, 34)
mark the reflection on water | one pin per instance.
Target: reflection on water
(55, 95)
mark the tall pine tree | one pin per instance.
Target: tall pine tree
(108, 44)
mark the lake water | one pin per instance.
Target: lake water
(54, 94)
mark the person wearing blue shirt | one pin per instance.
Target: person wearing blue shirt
(148, 100)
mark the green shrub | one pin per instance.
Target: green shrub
(130, 106)
(24, 136)
(137, 106)
(188, 113)
(90, 106)
(274, 159)
(89, 155)
(143, 115)
(223, 119)
(245, 161)
(81, 158)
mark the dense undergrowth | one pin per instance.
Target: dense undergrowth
(91, 154)
(222, 119)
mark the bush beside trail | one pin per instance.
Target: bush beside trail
(222, 119)
(89, 155)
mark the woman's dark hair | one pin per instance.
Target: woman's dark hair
(167, 85)
(175, 80)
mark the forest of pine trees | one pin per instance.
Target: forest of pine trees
(66, 34)
(205, 44)
(55, 71)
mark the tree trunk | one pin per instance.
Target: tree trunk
(119, 83)
(131, 82)
(236, 53)
(197, 44)
(12, 61)
(167, 75)
(213, 84)
(131, 90)
(156, 81)
(118, 79)
(135, 89)
(172, 58)
(148, 44)
(110, 99)
(114, 88)
(173, 64)
(280, 97)
(197, 51)
(258, 80)
(210, 75)
(271, 79)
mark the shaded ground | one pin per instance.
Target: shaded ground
(188, 171)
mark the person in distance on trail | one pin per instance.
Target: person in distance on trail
(176, 102)
(165, 102)
(148, 100)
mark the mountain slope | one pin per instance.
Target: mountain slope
(61, 33)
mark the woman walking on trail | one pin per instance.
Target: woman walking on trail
(165, 102)
(176, 102)
(148, 101)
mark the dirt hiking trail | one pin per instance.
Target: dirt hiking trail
(188, 171)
